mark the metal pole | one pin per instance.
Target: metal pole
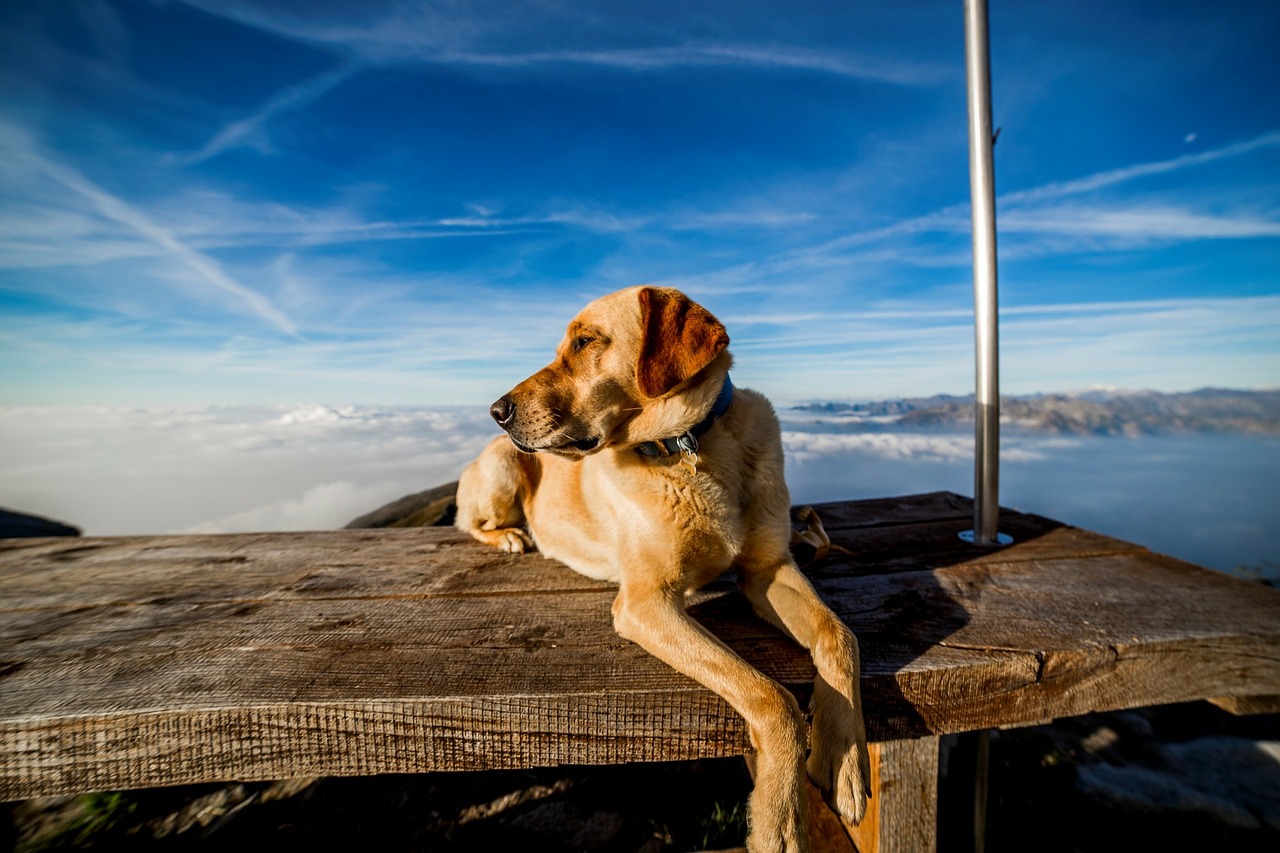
(986, 474)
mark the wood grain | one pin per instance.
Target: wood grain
(141, 661)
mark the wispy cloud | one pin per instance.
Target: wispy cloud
(1023, 212)
(693, 55)
(401, 33)
(40, 229)
(1136, 223)
(1112, 177)
(250, 130)
(870, 354)
(117, 210)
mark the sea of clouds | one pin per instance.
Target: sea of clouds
(111, 471)
(222, 469)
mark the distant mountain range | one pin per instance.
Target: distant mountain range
(1132, 413)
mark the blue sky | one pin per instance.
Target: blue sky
(221, 201)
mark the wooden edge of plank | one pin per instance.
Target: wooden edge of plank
(1247, 705)
(129, 750)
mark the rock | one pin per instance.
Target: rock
(431, 508)
(1146, 789)
(564, 825)
(19, 525)
(1242, 770)
(1232, 780)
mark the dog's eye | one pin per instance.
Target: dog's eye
(581, 343)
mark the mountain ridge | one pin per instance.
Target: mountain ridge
(1093, 412)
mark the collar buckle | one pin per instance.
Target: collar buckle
(687, 445)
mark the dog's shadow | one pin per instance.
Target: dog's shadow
(908, 585)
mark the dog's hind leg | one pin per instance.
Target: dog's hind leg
(838, 760)
(809, 540)
(489, 499)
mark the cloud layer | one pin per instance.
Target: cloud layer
(304, 467)
(214, 469)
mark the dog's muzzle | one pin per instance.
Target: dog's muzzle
(504, 412)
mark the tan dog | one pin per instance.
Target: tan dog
(601, 466)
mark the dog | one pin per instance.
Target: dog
(632, 458)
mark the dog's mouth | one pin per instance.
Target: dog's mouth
(521, 446)
(582, 445)
(572, 447)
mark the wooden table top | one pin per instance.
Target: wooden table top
(140, 661)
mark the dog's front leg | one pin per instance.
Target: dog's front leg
(488, 499)
(655, 619)
(838, 762)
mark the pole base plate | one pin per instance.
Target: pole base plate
(971, 537)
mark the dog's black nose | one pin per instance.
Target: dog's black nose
(503, 411)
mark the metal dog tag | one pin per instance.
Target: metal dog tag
(688, 451)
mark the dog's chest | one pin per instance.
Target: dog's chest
(680, 523)
(686, 521)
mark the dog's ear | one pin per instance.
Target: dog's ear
(680, 338)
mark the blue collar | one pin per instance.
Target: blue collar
(688, 443)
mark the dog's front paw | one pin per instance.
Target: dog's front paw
(775, 841)
(844, 781)
(509, 540)
(513, 541)
(777, 827)
(839, 763)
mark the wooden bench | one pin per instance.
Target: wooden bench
(162, 660)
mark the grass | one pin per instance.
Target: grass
(726, 826)
(91, 816)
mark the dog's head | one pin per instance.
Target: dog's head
(637, 365)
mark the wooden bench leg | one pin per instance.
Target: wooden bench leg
(902, 815)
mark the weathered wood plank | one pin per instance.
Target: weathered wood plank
(981, 645)
(908, 509)
(826, 830)
(223, 654)
(163, 660)
(1049, 605)
(60, 754)
(934, 544)
(44, 573)
(1012, 631)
